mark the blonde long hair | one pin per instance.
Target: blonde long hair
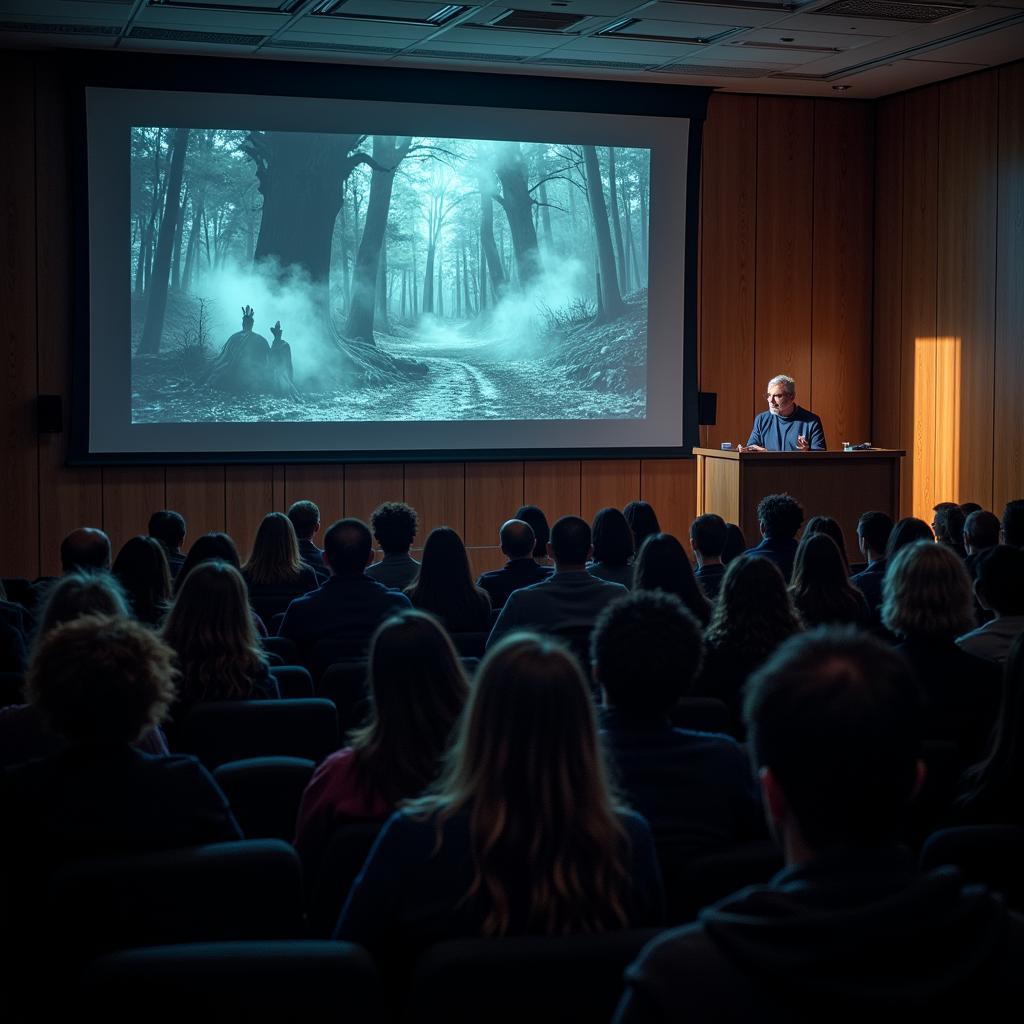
(275, 553)
(527, 765)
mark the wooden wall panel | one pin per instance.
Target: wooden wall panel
(494, 490)
(437, 490)
(19, 470)
(199, 493)
(70, 497)
(843, 238)
(605, 482)
(670, 485)
(888, 272)
(130, 496)
(553, 487)
(368, 485)
(966, 273)
(324, 485)
(249, 496)
(1007, 435)
(727, 266)
(785, 210)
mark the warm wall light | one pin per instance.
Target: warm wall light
(936, 450)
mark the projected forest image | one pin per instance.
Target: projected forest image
(299, 277)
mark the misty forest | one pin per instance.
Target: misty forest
(287, 276)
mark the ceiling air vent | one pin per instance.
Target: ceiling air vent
(537, 21)
(487, 58)
(615, 65)
(308, 44)
(714, 71)
(52, 28)
(175, 35)
(882, 10)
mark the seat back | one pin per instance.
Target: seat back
(341, 862)
(330, 650)
(284, 648)
(264, 793)
(344, 684)
(292, 680)
(988, 854)
(223, 731)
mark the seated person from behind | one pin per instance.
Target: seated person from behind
(244, 362)
(873, 530)
(521, 836)
(305, 517)
(568, 599)
(999, 588)
(394, 528)
(445, 587)
(779, 516)
(707, 539)
(695, 789)
(350, 605)
(981, 533)
(850, 930)
(613, 547)
(275, 574)
(785, 427)
(169, 528)
(521, 570)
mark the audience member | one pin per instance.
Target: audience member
(908, 530)
(779, 516)
(394, 526)
(828, 526)
(873, 530)
(821, 589)
(1012, 530)
(417, 689)
(570, 599)
(999, 588)
(991, 793)
(752, 616)
(708, 534)
(521, 834)
(141, 568)
(521, 569)
(643, 521)
(211, 547)
(275, 573)
(849, 931)
(541, 531)
(661, 564)
(305, 517)
(211, 630)
(981, 533)
(86, 548)
(735, 543)
(927, 603)
(967, 507)
(350, 605)
(445, 585)
(948, 524)
(613, 548)
(168, 527)
(695, 789)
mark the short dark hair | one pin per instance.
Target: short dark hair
(647, 649)
(86, 548)
(168, 527)
(949, 525)
(305, 517)
(1013, 523)
(534, 515)
(570, 540)
(735, 543)
(875, 528)
(347, 546)
(517, 538)
(967, 507)
(836, 715)
(780, 515)
(613, 539)
(1000, 579)
(394, 525)
(708, 533)
(909, 530)
(981, 528)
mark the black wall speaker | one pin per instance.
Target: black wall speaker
(50, 414)
(707, 408)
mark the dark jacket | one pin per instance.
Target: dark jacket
(869, 583)
(781, 550)
(710, 579)
(856, 935)
(513, 575)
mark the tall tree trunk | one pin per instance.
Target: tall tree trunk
(465, 282)
(545, 215)
(415, 285)
(428, 279)
(439, 305)
(643, 233)
(388, 153)
(518, 206)
(613, 200)
(192, 248)
(610, 302)
(487, 243)
(482, 269)
(145, 247)
(176, 251)
(157, 304)
(382, 319)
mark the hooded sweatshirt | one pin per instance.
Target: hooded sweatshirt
(851, 935)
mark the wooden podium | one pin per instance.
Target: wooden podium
(837, 484)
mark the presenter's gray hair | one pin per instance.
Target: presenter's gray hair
(787, 382)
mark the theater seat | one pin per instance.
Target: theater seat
(264, 793)
(332, 878)
(344, 684)
(992, 855)
(292, 680)
(284, 648)
(532, 980)
(223, 731)
(233, 981)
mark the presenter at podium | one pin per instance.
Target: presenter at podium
(785, 427)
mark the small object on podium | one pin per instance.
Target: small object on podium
(864, 446)
(847, 446)
(727, 446)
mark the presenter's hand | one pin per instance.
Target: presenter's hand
(751, 448)
(802, 444)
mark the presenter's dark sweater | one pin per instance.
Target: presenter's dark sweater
(779, 433)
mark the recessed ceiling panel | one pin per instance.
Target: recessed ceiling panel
(657, 31)
(625, 48)
(528, 42)
(821, 41)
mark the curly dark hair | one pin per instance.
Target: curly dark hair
(780, 515)
(394, 524)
